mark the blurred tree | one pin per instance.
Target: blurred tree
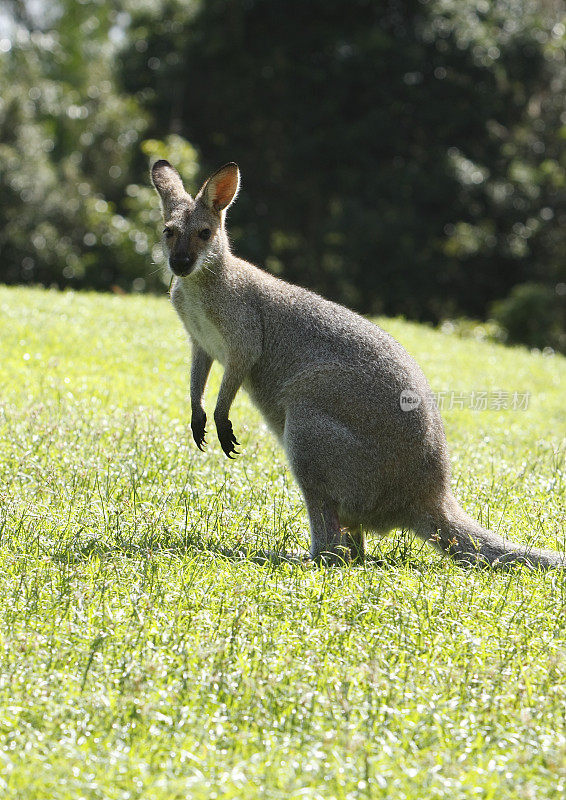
(533, 314)
(404, 157)
(70, 211)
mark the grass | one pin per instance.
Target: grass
(140, 659)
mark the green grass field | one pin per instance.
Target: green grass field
(142, 658)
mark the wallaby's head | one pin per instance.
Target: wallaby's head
(194, 228)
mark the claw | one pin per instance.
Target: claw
(227, 439)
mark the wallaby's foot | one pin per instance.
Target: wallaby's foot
(355, 542)
(298, 557)
(198, 423)
(341, 557)
(226, 437)
(330, 543)
(347, 549)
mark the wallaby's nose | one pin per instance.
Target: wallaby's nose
(180, 266)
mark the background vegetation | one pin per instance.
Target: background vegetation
(401, 156)
(143, 657)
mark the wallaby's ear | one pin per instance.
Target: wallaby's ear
(168, 183)
(221, 188)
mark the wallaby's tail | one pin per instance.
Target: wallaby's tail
(456, 534)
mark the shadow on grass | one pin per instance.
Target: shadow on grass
(401, 554)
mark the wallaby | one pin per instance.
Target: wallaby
(330, 385)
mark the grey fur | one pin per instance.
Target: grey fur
(328, 383)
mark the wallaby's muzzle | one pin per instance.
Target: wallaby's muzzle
(181, 266)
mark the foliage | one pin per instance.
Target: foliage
(533, 314)
(70, 205)
(143, 656)
(405, 158)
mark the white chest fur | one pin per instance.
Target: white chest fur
(189, 304)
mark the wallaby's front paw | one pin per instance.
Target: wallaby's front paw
(227, 438)
(198, 422)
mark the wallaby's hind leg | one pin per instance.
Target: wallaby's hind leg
(324, 526)
(320, 450)
(354, 539)
(329, 541)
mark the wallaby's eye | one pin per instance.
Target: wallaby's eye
(168, 232)
(205, 234)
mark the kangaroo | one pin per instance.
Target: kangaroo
(330, 385)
